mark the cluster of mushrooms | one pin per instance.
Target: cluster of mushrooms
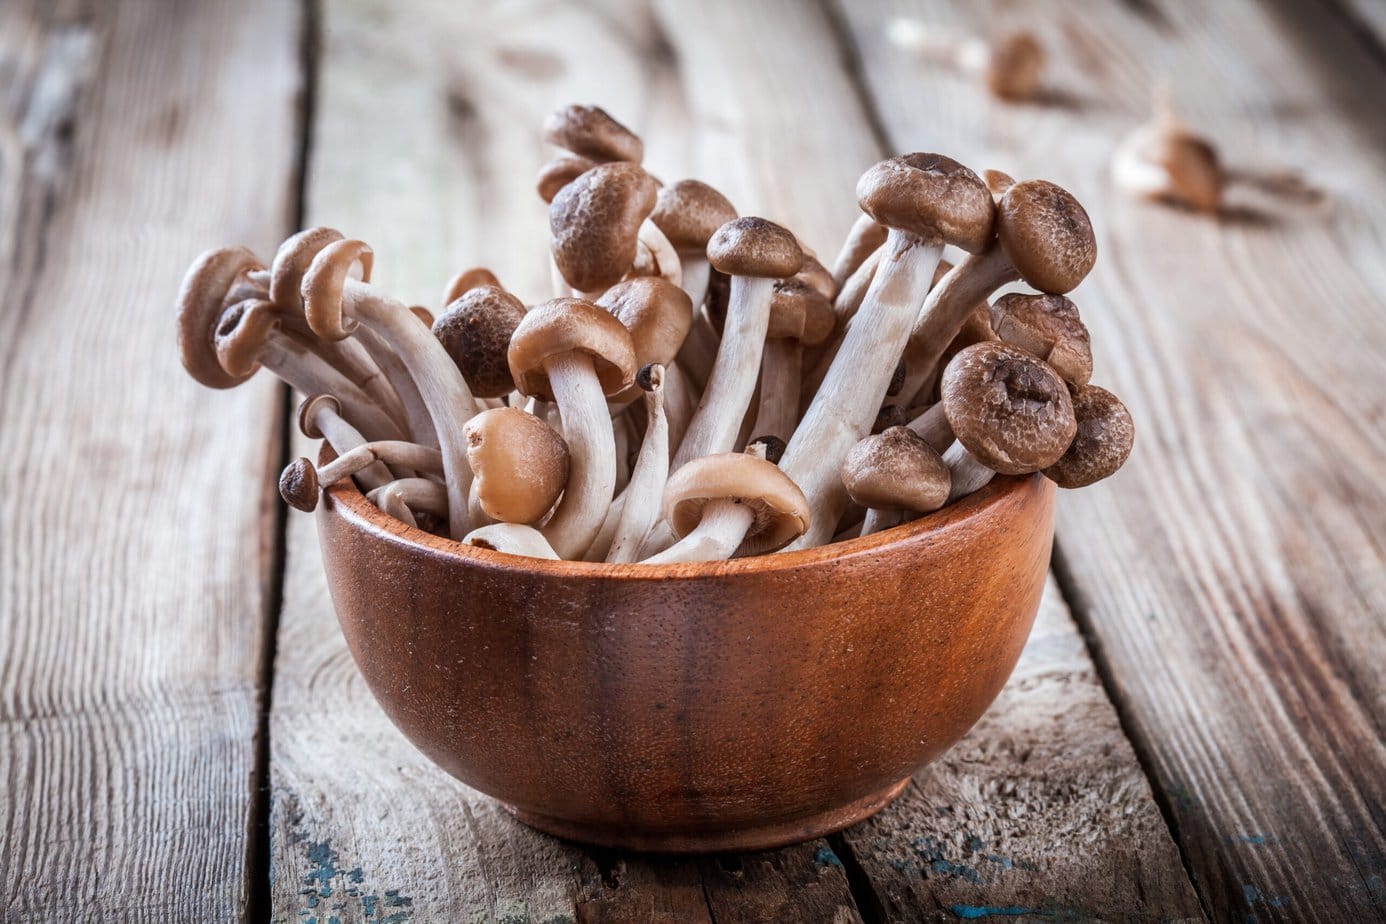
(701, 386)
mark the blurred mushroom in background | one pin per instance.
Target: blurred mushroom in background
(1012, 65)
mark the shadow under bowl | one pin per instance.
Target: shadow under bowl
(716, 706)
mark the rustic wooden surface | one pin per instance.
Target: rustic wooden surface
(1228, 585)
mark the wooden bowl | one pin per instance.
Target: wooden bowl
(685, 708)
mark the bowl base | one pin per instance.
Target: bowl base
(736, 840)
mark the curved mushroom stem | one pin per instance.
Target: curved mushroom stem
(512, 539)
(969, 473)
(343, 438)
(944, 312)
(864, 239)
(933, 427)
(680, 401)
(852, 392)
(415, 494)
(412, 407)
(592, 459)
(300, 483)
(642, 497)
(666, 258)
(601, 545)
(878, 518)
(724, 524)
(780, 371)
(307, 372)
(717, 421)
(845, 307)
(353, 361)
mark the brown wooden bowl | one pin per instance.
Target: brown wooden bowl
(715, 706)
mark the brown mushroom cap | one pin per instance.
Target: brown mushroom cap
(1049, 327)
(519, 462)
(589, 131)
(931, 196)
(467, 280)
(298, 485)
(292, 260)
(997, 182)
(595, 222)
(754, 247)
(689, 212)
(1016, 66)
(1046, 235)
(242, 333)
(779, 508)
(559, 172)
(1104, 439)
(567, 325)
(655, 311)
(896, 470)
(308, 411)
(201, 302)
(476, 330)
(1008, 408)
(817, 275)
(799, 312)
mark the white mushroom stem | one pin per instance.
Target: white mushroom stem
(307, 372)
(666, 258)
(415, 494)
(391, 452)
(698, 353)
(724, 525)
(878, 519)
(717, 421)
(601, 545)
(780, 371)
(353, 361)
(680, 401)
(845, 307)
(946, 310)
(696, 273)
(396, 373)
(621, 435)
(932, 426)
(592, 454)
(852, 392)
(860, 243)
(969, 473)
(512, 539)
(646, 489)
(343, 438)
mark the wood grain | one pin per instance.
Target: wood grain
(1232, 576)
(135, 523)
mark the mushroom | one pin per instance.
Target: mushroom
(337, 306)
(588, 131)
(800, 318)
(1012, 66)
(1165, 161)
(721, 503)
(932, 425)
(1043, 236)
(689, 212)
(657, 314)
(300, 481)
(754, 252)
(863, 239)
(467, 280)
(519, 463)
(1049, 327)
(574, 353)
(512, 539)
(926, 200)
(1103, 441)
(1010, 412)
(403, 497)
(640, 509)
(596, 222)
(559, 172)
(475, 330)
(320, 418)
(893, 473)
(816, 275)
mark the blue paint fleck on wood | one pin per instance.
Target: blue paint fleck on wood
(827, 857)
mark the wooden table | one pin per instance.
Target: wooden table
(1196, 728)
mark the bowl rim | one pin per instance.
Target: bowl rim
(345, 499)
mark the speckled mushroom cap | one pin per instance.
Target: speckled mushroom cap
(655, 311)
(308, 411)
(201, 302)
(1008, 408)
(1049, 327)
(595, 221)
(781, 512)
(559, 172)
(689, 212)
(520, 464)
(476, 330)
(931, 196)
(242, 333)
(589, 131)
(1102, 444)
(754, 247)
(896, 470)
(1046, 235)
(567, 325)
(799, 312)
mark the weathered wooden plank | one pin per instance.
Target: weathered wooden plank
(135, 525)
(1233, 575)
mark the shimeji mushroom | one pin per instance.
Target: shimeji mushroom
(512, 539)
(404, 497)
(596, 222)
(575, 353)
(1049, 327)
(657, 314)
(863, 239)
(1165, 161)
(589, 131)
(754, 253)
(1103, 441)
(1009, 411)
(519, 463)
(721, 503)
(1012, 66)
(640, 508)
(893, 473)
(558, 173)
(926, 200)
(689, 212)
(337, 305)
(475, 329)
(1043, 236)
(320, 418)
(800, 318)
(300, 481)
